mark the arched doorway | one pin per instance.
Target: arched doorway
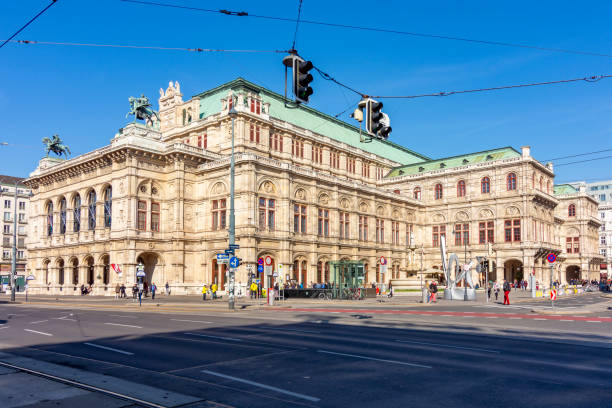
(46, 271)
(218, 274)
(105, 269)
(152, 267)
(366, 279)
(89, 261)
(299, 271)
(572, 272)
(60, 271)
(513, 270)
(75, 271)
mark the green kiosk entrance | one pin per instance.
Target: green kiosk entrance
(348, 280)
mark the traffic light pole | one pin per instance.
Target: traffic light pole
(14, 258)
(232, 221)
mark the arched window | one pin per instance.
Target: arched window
(541, 183)
(49, 219)
(63, 216)
(548, 187)
(108, 206)
(571, 210)
(91, 200)
(485, 185)
(417, 193)
(76, 213)
(438, 191)
(511, 181)
(461, 188)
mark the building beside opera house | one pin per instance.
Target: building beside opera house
(310, 190)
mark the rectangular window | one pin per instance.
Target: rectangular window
(266, 213)
(317, 154)
(350, 165)
(230, 103)
(7, 203)
(20, 255)
(365, 170)
(395, 232)
(254, 131)
(512, 230)
(297, 148)
(142, 215)
(21, 217)
(603, 240)
(21, 230)
(334, 160)
(6, 254)
(409, 234)
(344, 225)
(6, 241)
(379, 173)
(218, 214)
(486, 232)
(363, 228)
(154, 216)
(576, 245)
(21, 243)
(462, 234)
(276, 141)
(299, 219)
(380, 231)
(435, 235)
(323, 223)
(7, 216)
(22, 205)
(7, 229)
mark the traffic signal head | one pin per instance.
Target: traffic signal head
(302, 79)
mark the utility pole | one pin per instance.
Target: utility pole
(14, 259)
(422, 288)
(232, 221)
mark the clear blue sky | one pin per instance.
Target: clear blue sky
(81, 92)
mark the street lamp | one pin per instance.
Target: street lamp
(232, 221)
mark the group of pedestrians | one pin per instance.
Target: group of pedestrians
(212, 290)
(431, 291)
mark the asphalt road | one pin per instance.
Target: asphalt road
(286, 358)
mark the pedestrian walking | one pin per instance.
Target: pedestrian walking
(153, 289)
(140, 297)
(489, 287)
(123, 294)
(204, 290)
(496, 290)
(433, 288)
(117, 291)
(253, 290)
(213, 288)
(426, 290)
(167, 289)
(390, 290)
(506, 292)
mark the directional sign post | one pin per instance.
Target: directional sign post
(234, 262)
(551, 258)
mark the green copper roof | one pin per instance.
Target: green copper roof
(308, 118)
(560, 189)
(455, 161)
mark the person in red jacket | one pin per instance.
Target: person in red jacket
(506, 292)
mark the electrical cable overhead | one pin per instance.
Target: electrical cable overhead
(146, 47)
(583, 161)
(578, 155)
(375, 29)
(28, 23)
(297, 23)
(593, 78)
(328, 77)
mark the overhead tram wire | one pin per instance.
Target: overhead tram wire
(578, 155)
(375, 29)
(28, 23)
(583, 161)
(32, 42)
(297, 24)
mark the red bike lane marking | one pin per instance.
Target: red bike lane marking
(434, 313)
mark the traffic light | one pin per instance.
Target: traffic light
(302, 79)
(377, 122)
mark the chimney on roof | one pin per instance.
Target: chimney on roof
(525, 151)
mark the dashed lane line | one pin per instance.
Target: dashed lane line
(213, 337)
(38, 332)
(264, 386)
(109, 349)
(191, 321)
(124, 325)
(449, 346)
(39, 321)
(374, 359)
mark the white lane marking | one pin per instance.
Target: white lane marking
(468, 316)
(3, 326)
(109, 349)
(191, 321)
(491, 317)
(65, 318)
(445, 315)
(39, 321)
(124, 325)
(449, 346)
(538, 318)
(565, 320)
(34, 331)
(374, 359)
(213, 337)
(295, 330)
(593, 321)
(514, 318)
(264, 386)
(127, 317)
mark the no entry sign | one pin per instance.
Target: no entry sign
(551, 258)
(268, 260)
(383, 260)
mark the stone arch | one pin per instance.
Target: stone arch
(323, 198)
(513, 269)
(364, 207)
(104, 260)
(486, 213)
(218, 188)
(396, 214)
(299, 269)
(512, 211)
(438, 218)
(154, 267)
(300, 194)
(89, 263)
(573, 232)
(380, 210)
(345, 203)
(365, 271)
(267, 186)
(462, 216)
(45, 269)
(73, 264)
(60, 264)
(572, 272)
(323, 274)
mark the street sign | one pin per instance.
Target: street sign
(31, 277)
(249, 267)
(383, 260)
(268, 260)
(553, 294)
(234, 262)
(260, 261)
(259, 268)
(551, 258)
(234, 246)
(222, 256)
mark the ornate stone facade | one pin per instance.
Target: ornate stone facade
(307, 193)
